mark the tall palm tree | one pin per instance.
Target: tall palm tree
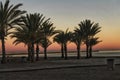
(92, 42)
(59, 38)
(31, 27)
(90, 29)
(76, 38)
(9, 17)
(31, 21)
(48, 31)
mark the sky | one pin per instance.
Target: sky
(69, 13)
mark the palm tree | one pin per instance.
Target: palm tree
(37, 51)
(31, 22)
(9, 17)
(90, 29)
(92, 42)
(77, 37)
(48, 31)
(59, 38)
(21, 35)
(40, 37)
(66, 38)
(45, 43)
(31, 27)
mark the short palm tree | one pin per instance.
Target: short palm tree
(59, 38)
(45, 43)
(9, 17)
(76, 38)
(48, 31)
(92, 42)
(90, 29)
(66, 37)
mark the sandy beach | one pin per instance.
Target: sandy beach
(59, 40)
(60, 69)
(83, 73)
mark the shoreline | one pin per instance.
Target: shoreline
(54, 52)
(83, 54)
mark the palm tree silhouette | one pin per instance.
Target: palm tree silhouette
(39, 38)
(90, 29)
(67, 36)
(32, 22)
(45, 43)
(48, 31)
(77, 37)
(31, 32)
(92, 42)
(21, 35)
(59, 38)
(9, 18)
(63, 38)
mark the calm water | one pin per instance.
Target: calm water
(98, 54)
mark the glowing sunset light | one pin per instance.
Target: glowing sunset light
(69, 13)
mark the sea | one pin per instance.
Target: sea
(107, 53)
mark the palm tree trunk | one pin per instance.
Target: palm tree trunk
(65, 49)
(87, 48)
(90, 51)
(29, 53)
(32, 52)
(37, 52)
(45, 53)
(87, 51)
(3, 50)
(78, 52)
(62, 51)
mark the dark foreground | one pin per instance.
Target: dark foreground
(82, 73)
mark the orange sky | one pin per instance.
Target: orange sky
(109, 36)
(106, 44)
(68, 14)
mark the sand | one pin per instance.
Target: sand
(71, 73)
(82, 73)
